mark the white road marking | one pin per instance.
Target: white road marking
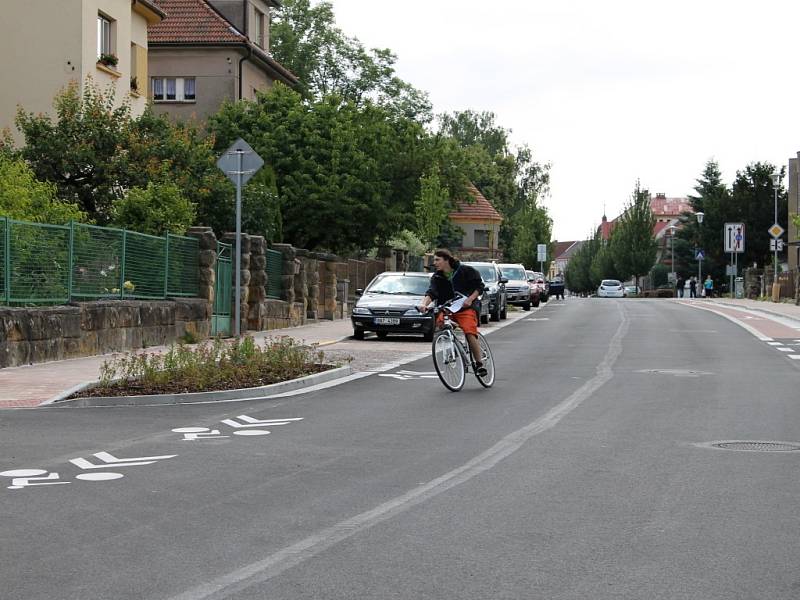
(794, 356)
(251, 432)
(753, 331)
(775, 343)
(278, 562)
(785, 349)
(98, 476)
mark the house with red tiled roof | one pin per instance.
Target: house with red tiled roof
(562, 252)
(481, 225)
(206, 52)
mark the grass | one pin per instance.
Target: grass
(211, 366)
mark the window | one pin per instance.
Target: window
(260, 28)
(481, 238)
(104, 45)
(174, 89)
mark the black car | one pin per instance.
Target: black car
(389, 305)
(495, 289)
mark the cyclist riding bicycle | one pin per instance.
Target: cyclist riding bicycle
(451, 280)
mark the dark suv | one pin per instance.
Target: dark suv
(495, 288)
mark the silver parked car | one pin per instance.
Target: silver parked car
(518, 291)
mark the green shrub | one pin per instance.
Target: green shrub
(156, 210)
(212, 366)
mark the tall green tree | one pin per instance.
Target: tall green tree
(532, 226)
(633, 245)
(24, 198)
(431, 207)
(304, 37)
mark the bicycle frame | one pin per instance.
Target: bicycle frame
(450, 330)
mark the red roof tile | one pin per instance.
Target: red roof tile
(661, 205)
(478, 209)
(192, 21)
(561, 248)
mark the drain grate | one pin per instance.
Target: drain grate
(756, 446)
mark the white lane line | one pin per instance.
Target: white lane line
(785, 349)
(775, 343)
(794, 356)
(291, 556)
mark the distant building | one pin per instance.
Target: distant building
(206, 52)
(562, 253)
(47, 45)
(481, 224)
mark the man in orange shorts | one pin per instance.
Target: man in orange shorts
(452, 280)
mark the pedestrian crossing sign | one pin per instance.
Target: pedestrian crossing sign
(700, 255)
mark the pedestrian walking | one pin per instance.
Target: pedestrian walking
(693, 287)
(708, 287)
(679, 285)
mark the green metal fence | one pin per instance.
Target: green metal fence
(53, 264)
(274, 274)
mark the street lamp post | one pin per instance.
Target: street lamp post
(699, 216)
(776, 181)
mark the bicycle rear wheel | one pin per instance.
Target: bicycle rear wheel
(448, 362)
(488, 362)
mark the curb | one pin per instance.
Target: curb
(201, 397)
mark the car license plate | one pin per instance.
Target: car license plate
(387, 321)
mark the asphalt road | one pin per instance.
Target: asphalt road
(586, 472)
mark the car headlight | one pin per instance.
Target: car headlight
(412, 312)
(358, 310)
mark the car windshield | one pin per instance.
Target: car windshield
(401, 285)
(488, 274)
(611, 283)
(514, 273)
(531, 275)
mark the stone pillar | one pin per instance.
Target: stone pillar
(207, 257)
(258, 284)
(311, 267)
(230, 238)
(290, 269)
(329, 283)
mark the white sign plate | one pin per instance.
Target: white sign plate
(734, 237)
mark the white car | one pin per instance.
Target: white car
(611, 288)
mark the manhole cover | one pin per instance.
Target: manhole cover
(757, 446)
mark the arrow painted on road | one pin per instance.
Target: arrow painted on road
(251, 422)
(108, 459)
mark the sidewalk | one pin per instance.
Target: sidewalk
(30, 385)
(779, 309)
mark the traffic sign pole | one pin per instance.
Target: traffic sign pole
(237, 329)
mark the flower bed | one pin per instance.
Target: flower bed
(211, 366)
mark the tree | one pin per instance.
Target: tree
(155, 210)
(633, 246)
(578, 276)
(346, 175)
(24, 198)
(532, 226)
(431, 207)
(80, 150)
(307, 41)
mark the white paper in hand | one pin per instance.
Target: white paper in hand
(457, 305)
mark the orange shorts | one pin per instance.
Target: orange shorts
(467, 319)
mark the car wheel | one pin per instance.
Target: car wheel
(504, 312)
(381, 334)
(545, 298)
(494, 316)
(536, 303)
(358, 334)
(428, 337)
(484, 319)
(526, 306)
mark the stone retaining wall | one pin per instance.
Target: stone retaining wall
(34, 335)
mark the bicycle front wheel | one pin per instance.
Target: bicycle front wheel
(488, 362)
(448, 362)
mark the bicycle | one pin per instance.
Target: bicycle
(452, 358)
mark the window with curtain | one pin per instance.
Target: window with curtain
(174, 89)
(103, 36)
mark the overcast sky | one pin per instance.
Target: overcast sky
(607, 92)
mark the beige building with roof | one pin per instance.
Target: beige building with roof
(206, 52)
(66, 45)
(481, 225)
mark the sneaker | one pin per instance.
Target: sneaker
(480, 370)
